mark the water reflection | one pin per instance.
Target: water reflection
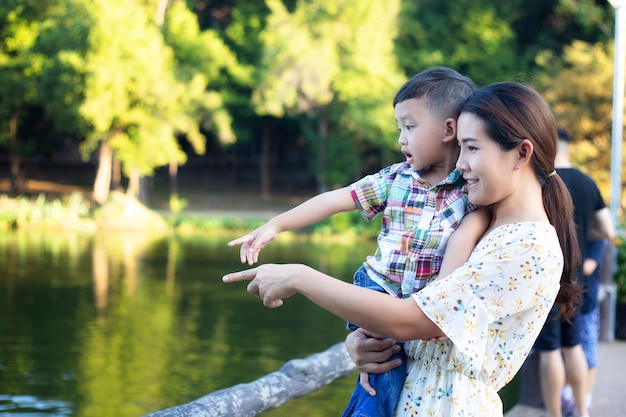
(125, 324)
(27, 405)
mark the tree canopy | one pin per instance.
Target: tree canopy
(143, 84)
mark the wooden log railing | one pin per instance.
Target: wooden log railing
(294, 379)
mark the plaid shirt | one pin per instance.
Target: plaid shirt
(417, 221)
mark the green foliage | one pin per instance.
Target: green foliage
(349, 225)
(71, 212)
(186, 224)
(332, 62)
(20, 67)
(474, 37)
(151, 82)
(177, 204)
(582, 102)
(201, 57)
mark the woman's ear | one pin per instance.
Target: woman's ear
(450, 130)
(524, 151)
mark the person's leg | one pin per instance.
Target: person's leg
(589, 332)
(576, 371)
(388, 385)
(591, 380)
(575, 364)
(551, 367)
(552, 378)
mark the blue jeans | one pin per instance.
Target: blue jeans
(388, 385)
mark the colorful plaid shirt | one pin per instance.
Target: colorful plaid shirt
(417, 221)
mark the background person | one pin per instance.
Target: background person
(561, 356)
(588, 323)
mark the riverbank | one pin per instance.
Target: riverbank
(199, 198)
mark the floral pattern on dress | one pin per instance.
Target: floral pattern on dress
(491, 309)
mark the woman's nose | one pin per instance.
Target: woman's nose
(461, 164)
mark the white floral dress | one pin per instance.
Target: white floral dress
(491, 309)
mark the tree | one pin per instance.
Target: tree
(200, 58)
(20, 67)
(582, 102)
(329, 55)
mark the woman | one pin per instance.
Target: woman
(489, 311)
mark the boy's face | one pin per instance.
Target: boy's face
(421, 134)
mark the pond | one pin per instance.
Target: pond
(122, 324)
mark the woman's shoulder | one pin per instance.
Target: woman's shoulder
(523, 233)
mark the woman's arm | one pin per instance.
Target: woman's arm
(399, 319)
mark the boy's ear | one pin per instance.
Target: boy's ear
(450, 130)
(524, 151)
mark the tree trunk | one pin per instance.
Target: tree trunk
(116, 178)
(322, 175)
(133, 183)
(264, 168)
(173, 172)
(102, 183)
(18, 182)
(295, 379)
(160, 13)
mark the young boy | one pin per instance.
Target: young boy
(422, 201)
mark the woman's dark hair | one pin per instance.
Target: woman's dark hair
(512, 112)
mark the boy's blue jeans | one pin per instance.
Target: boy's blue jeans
(388, 385)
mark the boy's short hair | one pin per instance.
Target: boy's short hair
(563, 135)
(444, 90)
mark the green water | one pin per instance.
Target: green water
(124, 324)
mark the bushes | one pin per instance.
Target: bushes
(75, 212)
(72, 211)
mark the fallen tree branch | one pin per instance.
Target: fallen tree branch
(294, 379)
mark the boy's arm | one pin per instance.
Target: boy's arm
(311, 211)
(463, 240)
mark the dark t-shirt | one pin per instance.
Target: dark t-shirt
(587, 200)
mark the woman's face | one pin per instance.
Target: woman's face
(487, 169)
